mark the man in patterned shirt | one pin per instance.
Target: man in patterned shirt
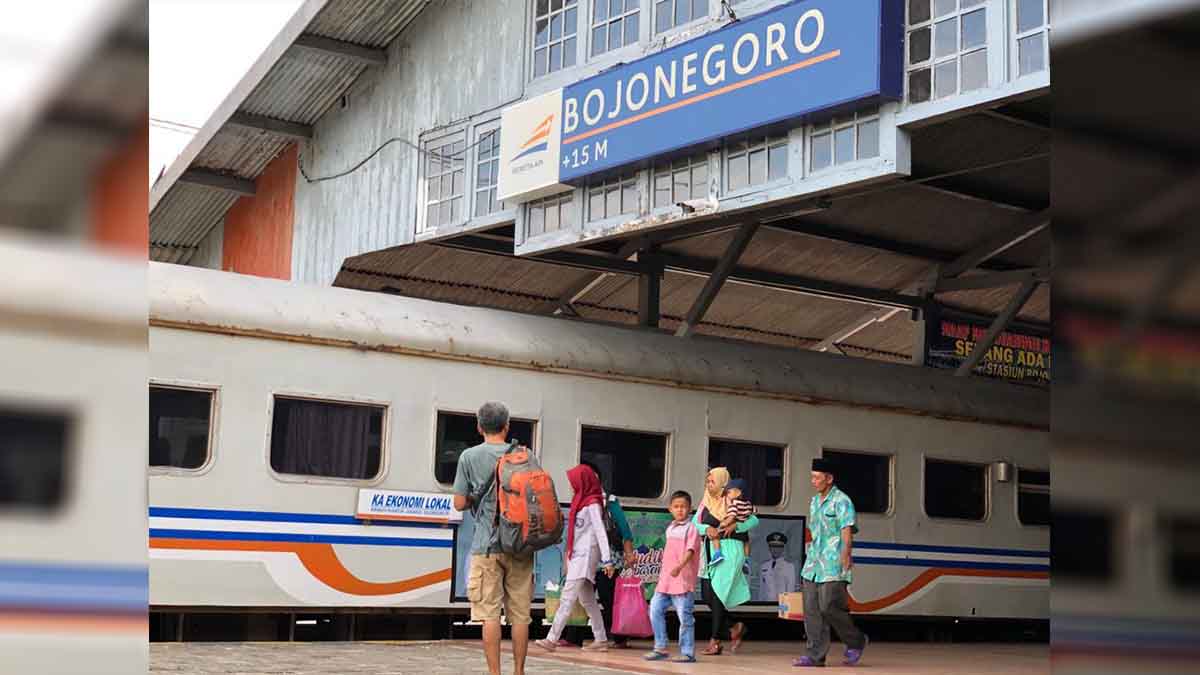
(826, 572)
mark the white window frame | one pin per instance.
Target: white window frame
(784, 448)
(756, 141)
(987, 491)
(384, 440)
(580, 7)
(891, 487)
(653, 13)
(626, 13)
(703, 158)
(618, 183)
(831, 127)
(957, 56)
(434, 143)
(572, 204)
(667, 456)
(214, 406)
(1017, 495)
(1017, 36)
(481, 131)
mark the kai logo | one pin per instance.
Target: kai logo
(538, 141)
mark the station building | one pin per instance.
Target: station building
(868, 178)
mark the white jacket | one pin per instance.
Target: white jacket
(591, 544)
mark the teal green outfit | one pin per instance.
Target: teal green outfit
(826, 519)
(728, 581)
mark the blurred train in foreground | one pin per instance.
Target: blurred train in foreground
(272, 405)
(73, 576)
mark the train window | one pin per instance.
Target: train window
(324, 438)
(759, 464)
(955, 490)
(1081, 542)
(1033, 497)
(634, 463)
(457, 432)
(33, 458)
(179, 427)
(865, 477)
(1183, 540)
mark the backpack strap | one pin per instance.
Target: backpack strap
(512, 447)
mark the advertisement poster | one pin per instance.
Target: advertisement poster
(1015, 357)
(771, 569)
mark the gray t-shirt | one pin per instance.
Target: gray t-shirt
(476, 470)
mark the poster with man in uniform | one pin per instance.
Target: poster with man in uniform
(777, 575)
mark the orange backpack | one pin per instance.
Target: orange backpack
(528, 517)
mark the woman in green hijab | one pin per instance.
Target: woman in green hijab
(723, 585)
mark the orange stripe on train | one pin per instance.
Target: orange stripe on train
(319, 559)
(930, 575)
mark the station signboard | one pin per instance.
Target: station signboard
(1015, 357)
(793, 61)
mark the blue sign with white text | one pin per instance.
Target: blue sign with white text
(786, 63)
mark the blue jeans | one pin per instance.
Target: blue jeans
(687, 623)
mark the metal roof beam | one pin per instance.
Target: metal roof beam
(270, 125)
(717, 279)
(218, 181)
(365, 55)
(583, 261)
(997, 243)
(998, 325)
(793, 283)
(992, 280)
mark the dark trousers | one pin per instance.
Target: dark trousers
(720, 615)
(605, 588)
(827, 606)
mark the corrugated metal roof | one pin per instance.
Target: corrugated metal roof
(299, 86)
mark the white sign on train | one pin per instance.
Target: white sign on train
(418, 507)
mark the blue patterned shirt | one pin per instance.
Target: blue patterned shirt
(826, 519)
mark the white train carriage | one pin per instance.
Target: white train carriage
(273, 405)
(73, 576)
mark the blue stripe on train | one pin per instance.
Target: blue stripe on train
(927, 548)
(961, 564)
(78, 587)
(300, 538)
(275, 517)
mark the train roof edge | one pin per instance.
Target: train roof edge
(200, 299)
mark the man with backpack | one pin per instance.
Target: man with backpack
(509, 528)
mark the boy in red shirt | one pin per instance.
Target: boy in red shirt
(677, 582)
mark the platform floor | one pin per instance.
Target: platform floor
(445, 657)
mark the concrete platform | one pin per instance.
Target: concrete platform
(437, 658)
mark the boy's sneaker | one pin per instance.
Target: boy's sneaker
(716, 559)
(657, 656)
(684, 658)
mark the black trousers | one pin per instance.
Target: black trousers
(605, 588)
(720, 615)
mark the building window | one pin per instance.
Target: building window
(551, 214)
(323, 438)
(754, 161)
(1082, 544)
(613, 197)
(1183, 550)
(487, 173)
(555, 25)
(457, 432)
(955, 490)
(843, 140)
(615, 452)
(759, 464)
(947, 48)
(444, 181)
(33, 458)
(670, 14)
(1033, 497)
(1029, 30)
(614, 24)
(865, 477)
(685, 178)
(180, 420)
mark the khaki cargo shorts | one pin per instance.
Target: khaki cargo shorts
(500, 579)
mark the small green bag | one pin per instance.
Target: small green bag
(578, 616)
